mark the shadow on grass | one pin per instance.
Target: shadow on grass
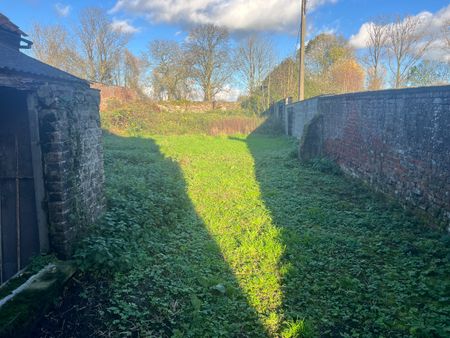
(151, 267)
(353, 263)
(357, 263)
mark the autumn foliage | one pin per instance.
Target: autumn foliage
(347, 76)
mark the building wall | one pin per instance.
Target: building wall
(396, 140)
(72, 155)
(302, 115)
(294, 116)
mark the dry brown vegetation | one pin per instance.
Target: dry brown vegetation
(176, 117)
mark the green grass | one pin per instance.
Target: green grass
(230, 237)
(222, 186)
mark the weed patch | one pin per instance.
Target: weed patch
(137, 119)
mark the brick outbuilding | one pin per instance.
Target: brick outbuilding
(51, 159)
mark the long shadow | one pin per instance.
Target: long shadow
(358, 263)
(158, 271)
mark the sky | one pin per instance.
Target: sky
(147, 20)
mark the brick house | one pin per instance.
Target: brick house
(51, 160)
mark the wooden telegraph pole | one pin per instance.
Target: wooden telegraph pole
(301, 68)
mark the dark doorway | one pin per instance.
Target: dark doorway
(19, 234)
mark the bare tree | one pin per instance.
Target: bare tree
(376, 49)
(208, 50)
(133, 67)
(253, 60)
(53, 45)
(280, 82)
(407, 44)
(100, 44)
(170, 73)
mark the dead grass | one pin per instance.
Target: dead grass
(147, 117)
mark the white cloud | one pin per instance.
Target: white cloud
(360, 39)
(123, 26)
(62, 10)
(432, 23)
(229, 94)
(327, 30)
(438, 51)
(237, 15)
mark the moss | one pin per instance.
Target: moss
(13, 284)
(77, 215)
(19, 314)
(35, 266)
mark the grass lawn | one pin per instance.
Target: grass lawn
(230, 237)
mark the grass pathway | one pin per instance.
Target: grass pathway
(310, 248)
(221, 182)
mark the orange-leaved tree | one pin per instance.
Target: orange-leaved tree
(347, 75)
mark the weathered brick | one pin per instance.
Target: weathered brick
(73, 160)
(398, 140)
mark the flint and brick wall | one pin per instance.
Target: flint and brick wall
(396, 140)
(72, 156)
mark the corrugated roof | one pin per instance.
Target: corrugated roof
(14, 60)
(7, 25)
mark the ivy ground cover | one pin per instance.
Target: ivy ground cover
(232, 237)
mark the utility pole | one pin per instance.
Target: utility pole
(301, 54)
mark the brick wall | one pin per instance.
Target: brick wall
(117, 93)
(301, 116)
(72, 157)
(294, 116)
(396, 140)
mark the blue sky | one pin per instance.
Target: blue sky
(169, 19)
(147, 20)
